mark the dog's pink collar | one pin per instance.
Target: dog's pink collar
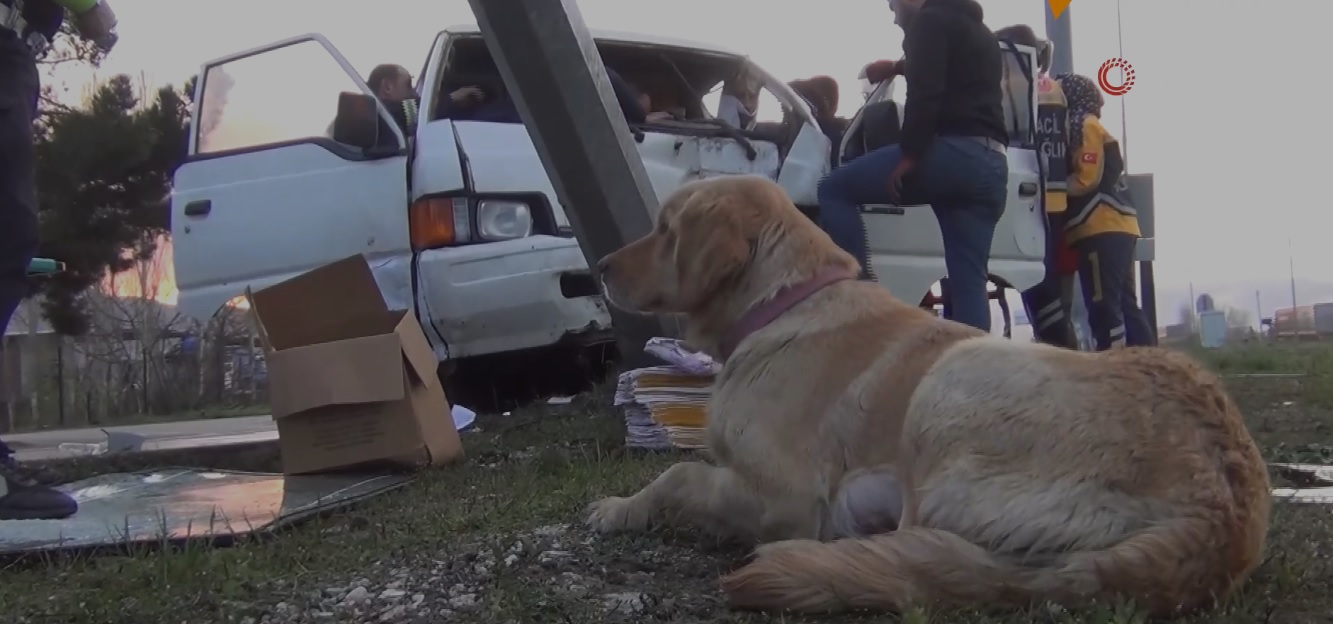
(759, 316)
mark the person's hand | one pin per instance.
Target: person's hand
(905, 166)
(884, 70)
(466, 95)
(98, 25)
(879, 71)
(658, 116)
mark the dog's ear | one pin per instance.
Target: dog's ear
(711, 247)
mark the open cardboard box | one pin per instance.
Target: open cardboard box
(350, 381)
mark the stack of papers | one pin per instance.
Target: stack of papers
(667, 406)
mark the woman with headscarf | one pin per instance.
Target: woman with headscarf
(1100, 224)
(821, 93)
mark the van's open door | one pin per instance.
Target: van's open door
(875, 125)
(272, 186)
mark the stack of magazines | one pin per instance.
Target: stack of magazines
(667, 406)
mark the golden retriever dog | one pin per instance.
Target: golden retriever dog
(889, 458)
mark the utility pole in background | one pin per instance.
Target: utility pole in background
(551, 67)
(1291, 268)
(1060, 34)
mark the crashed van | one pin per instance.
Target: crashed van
(460, 222)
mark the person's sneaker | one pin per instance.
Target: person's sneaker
(22, 499)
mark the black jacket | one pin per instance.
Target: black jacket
(954, 69)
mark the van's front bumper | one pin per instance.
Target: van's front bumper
(508, 296)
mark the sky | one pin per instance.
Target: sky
(1223, 104)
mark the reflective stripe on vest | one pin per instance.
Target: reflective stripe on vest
(1112, 197)
(1053, 135)
(410, 113)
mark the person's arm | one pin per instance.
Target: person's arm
(879, 71)
(1087, 164)
(928, 46)
(628, 98)
(457, 104)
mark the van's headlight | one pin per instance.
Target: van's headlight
(503, 219)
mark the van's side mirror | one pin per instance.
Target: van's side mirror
(357, 122)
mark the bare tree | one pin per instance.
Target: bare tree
(121, 364)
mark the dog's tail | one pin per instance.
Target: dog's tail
(1175, 566)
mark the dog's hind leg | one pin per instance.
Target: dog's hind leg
(868, 502)
(712, 498)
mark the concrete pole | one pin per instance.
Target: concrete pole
(1061, 35)
(551, 67)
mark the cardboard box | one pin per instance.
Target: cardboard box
(350, 381)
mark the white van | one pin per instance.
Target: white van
(460, 221)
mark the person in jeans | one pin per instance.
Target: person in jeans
(26, 31)
(1101, 224)
(952, 154)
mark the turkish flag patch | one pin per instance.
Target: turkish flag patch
(1090, 158)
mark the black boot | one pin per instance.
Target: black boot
(22, 499)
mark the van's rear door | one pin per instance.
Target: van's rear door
(266, 192)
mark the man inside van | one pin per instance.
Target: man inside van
(952, 155)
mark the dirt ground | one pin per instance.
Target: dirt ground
(498, 540)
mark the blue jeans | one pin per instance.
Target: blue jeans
(964, 181)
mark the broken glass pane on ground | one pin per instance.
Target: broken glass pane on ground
(178, 505)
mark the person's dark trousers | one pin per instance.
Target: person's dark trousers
(964, 180)
(18, 200)
(1106, 272)
(1045, 302)
(20, 498)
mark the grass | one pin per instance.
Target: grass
(495, 529)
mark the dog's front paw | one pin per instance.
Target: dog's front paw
(615, 513)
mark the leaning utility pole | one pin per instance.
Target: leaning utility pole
(551, 67)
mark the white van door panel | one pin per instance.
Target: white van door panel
(807, 163)
(501, 158)
(265, 192)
